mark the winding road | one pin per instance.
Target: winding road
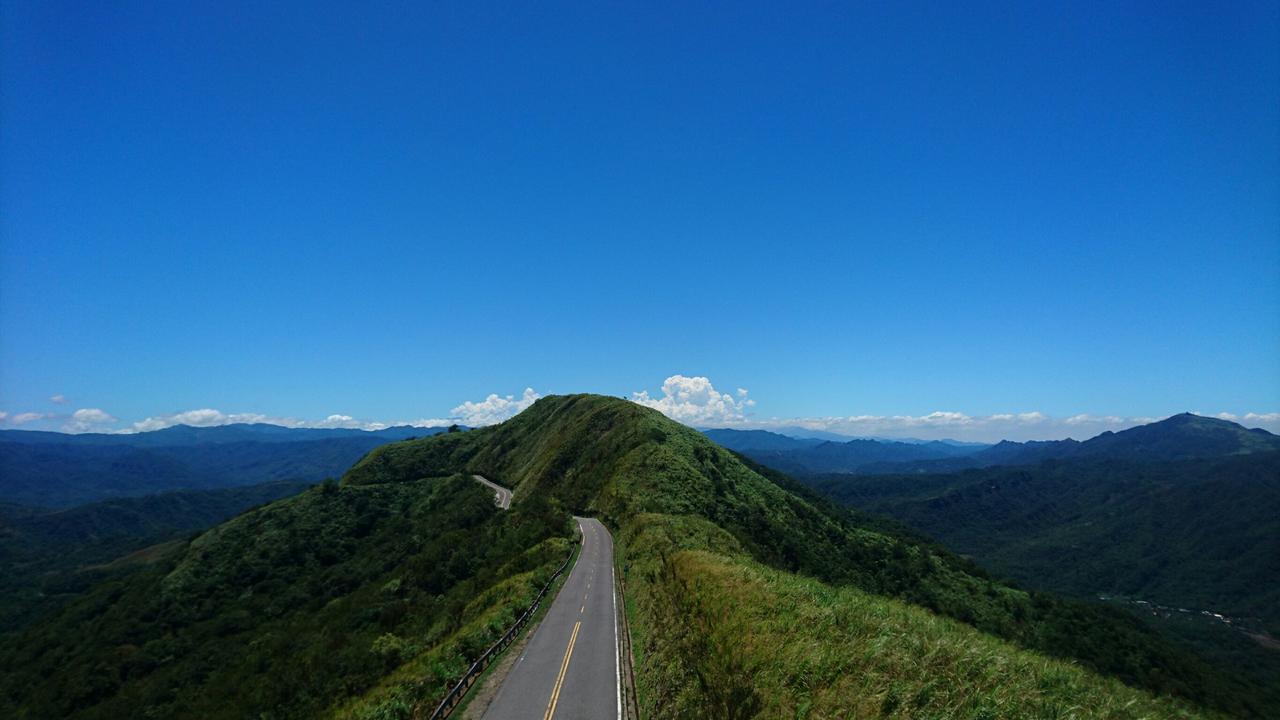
(570, 669)
(501, 495)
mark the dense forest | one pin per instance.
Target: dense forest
(47, 558)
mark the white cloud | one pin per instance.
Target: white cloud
(348, 422)
(89, 420)
(26, 417)
(209, 417)
(58, 399)
(695, 401)
(431, 422)
(1087, 419)
(3, 416)
(493, 409)
(203, 417)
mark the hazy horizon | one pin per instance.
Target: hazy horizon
(694, 401)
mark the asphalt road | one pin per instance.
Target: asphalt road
(501, 495)
(569, 669)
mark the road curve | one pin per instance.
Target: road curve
(569, 669)
(501, 495)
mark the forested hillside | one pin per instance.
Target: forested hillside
(1191, 536)
(668, 492)
(49, 557)
(1203, 533)
(297, 609)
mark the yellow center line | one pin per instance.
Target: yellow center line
(564, 667)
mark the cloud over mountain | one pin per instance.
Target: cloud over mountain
(493, 409)
(695, 401)
(89, 420)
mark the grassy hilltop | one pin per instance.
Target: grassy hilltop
(726, 567)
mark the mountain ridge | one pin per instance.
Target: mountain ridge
(183, 434)
(1177, 437)
(61, 470)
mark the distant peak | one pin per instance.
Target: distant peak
(1187, 418)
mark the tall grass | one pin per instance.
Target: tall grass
(727, 637)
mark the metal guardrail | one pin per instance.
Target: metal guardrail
(459, 691)
(630, 703)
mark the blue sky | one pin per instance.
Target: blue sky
(889, 210)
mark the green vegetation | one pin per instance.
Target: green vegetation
(753, 641)
(48, 558)
(748, 596)
(1202, 533)
(296, 609)
(1196, 534)
(625, 463)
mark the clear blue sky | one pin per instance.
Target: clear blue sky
(887, 209)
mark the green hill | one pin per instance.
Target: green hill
(1193, 533)
(49, 557)
(667, 491)
(748, 596)
(293, 609)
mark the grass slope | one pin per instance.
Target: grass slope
(753, 641)
(629, 465)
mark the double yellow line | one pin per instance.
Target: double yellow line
(564, 667)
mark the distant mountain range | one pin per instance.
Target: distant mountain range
(57, 470)
(811, 455)
(216, 435)
(1176, 438)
